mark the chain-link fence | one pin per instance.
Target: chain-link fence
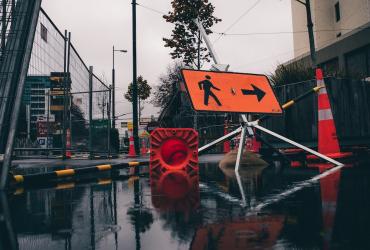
(65, 107)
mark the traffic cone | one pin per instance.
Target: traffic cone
(68, 144)
(226, 143)
(131, 150)
(327, 135)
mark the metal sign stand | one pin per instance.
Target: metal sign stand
(246, 129)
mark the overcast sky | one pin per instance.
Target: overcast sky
(97, 25)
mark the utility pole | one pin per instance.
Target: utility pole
(310, 32)
(114, 88)
(113, 93)
(134, 81)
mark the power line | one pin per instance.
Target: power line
(238, 19)
(285, 32)
(280, 54)
(151, 9)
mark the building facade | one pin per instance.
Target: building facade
(35, 99)
(342, 35)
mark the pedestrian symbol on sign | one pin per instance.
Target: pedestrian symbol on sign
(207, 86)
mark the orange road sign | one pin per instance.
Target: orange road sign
(230, 92)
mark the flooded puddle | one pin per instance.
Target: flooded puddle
(124, 214)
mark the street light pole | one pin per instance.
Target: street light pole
(114, 88)
(134, 81)
(310, 32)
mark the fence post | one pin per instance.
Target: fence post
(64, 96)
(90, 109)
(47, 124)
(109, 118)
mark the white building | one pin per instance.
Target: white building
(341, 29)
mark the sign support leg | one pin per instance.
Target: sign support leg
(243, 136)
(219, 140)
(324, 157)
(239, 156)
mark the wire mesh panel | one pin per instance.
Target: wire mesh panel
(56, 101)
(101, 116)
(48, 48)
(17, 17)
(8, 14)
(79, 123)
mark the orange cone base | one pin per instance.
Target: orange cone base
(325, 166)
(339, 155)
(292, 151)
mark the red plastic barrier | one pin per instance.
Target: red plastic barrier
(174, 162)
(227, 142)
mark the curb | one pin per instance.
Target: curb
(70, 173)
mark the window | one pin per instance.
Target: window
(44, 33)
(337, 12)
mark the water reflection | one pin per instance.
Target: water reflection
(8, 239)
(124, 214)
(139, 215)
(329, 195)
(257, 232)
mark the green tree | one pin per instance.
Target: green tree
(78, 121)
(185, 41)
(143, 89)
(292, 73)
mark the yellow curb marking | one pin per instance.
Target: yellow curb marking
(65, 172)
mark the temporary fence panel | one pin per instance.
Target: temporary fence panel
(350, 102)
(42, 100)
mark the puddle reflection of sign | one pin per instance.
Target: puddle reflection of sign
(230, 92)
